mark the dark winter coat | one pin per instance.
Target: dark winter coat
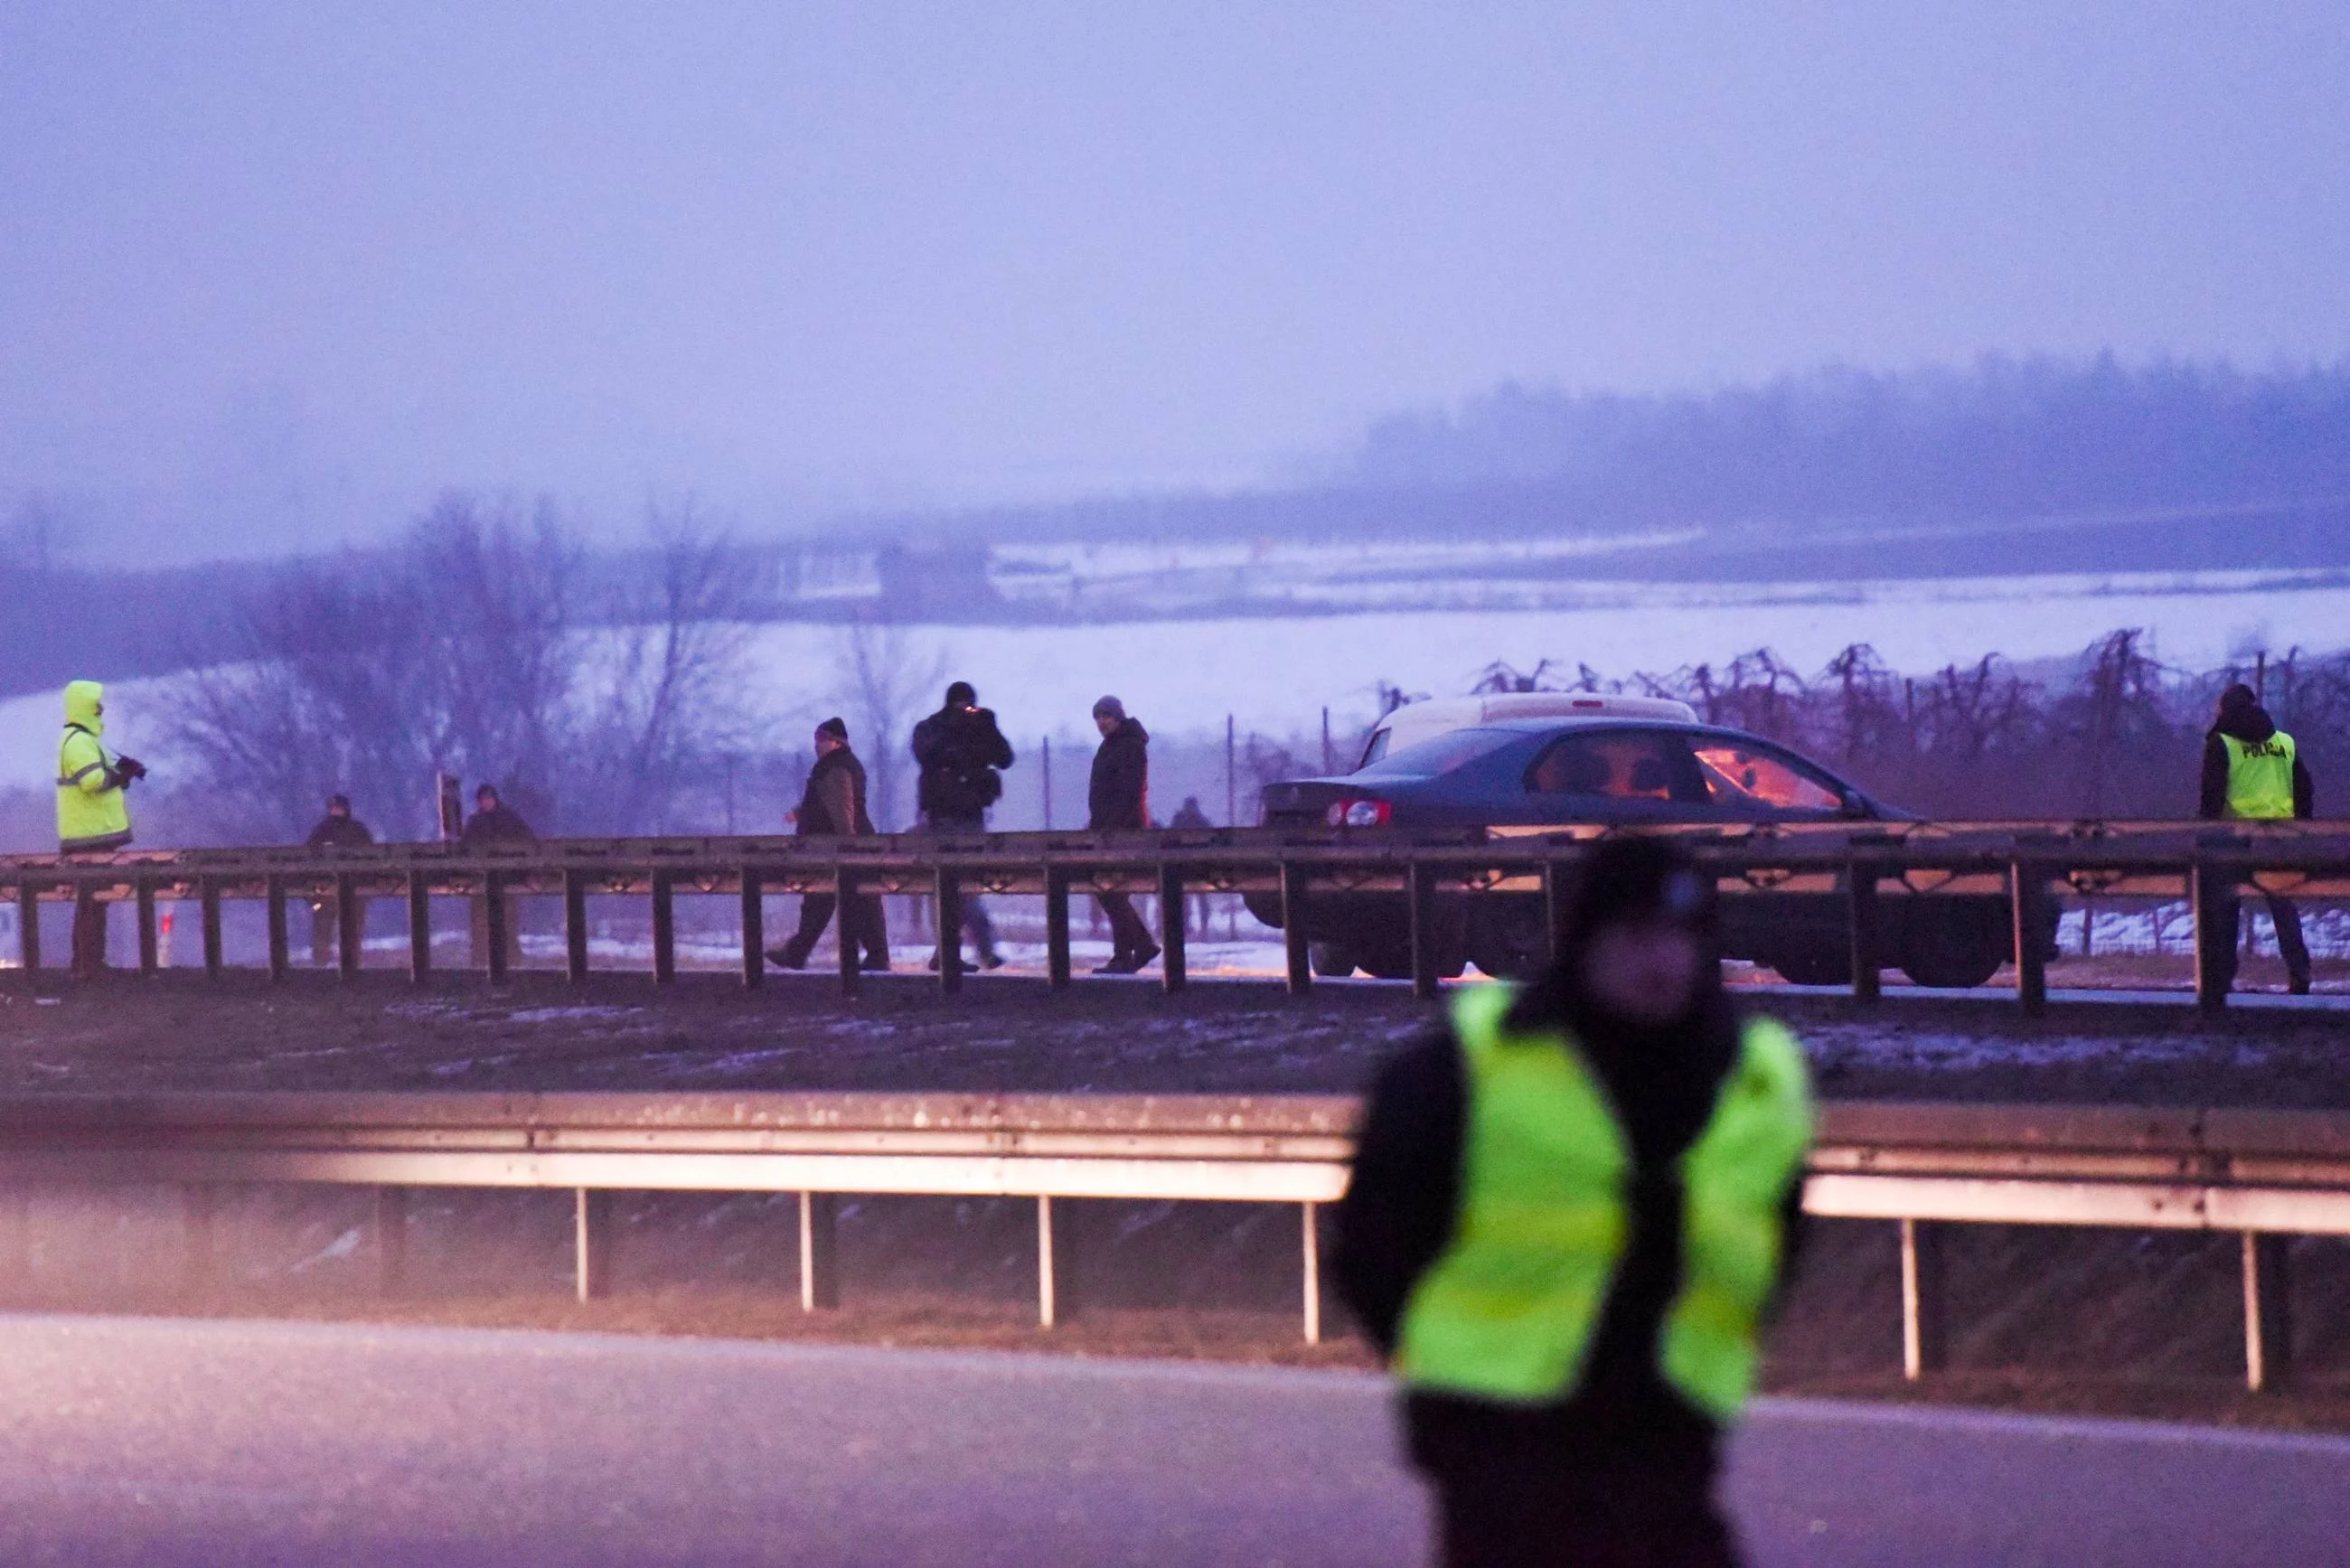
(502, 824)
(2251, 725)
(340, 832)
(959, 750)
(833, 800)
(1118, 797)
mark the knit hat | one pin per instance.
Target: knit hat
(1109, 708)
(1639, 881)
(836, 727)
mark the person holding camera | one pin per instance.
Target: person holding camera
(961, 754)
(93, 812)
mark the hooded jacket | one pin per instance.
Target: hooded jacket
(92, 814)
(2251, 725)
(1117, 798)
(959, 750)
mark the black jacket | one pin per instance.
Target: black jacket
(959, 749)
(1399, 1213)
(1118, 797)
(2251, 725)
(833, 800)
(340, 832)
(502, 824)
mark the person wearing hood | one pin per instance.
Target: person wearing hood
(338, 829)
(962, 753)
(93, 808)
(1569, 1214)
(2252, 772)
(1117, 800)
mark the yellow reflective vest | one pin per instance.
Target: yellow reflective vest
(1508, 1311)
(2259, 777)
(92, 811)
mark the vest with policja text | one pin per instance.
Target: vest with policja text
(2259, 777)
(1508, 1311)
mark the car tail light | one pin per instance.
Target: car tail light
(1358, 814)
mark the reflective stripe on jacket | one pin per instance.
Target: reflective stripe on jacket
(92, 811)
(1508, 1310)
(2259, 777)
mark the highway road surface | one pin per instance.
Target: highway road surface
(170, 1443)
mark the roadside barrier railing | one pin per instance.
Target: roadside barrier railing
(2261, 1176)
(1867, 865)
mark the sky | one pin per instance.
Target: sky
(273, 274)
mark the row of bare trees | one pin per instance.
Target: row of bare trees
(2117, 732)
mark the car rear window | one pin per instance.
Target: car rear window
(1442, 754)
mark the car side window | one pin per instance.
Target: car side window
(1751, 777)
(1616, 764)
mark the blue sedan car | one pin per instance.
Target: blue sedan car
(1617, 773)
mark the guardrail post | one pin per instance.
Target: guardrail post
(2205, 902)
(1057, 1281)
(819, 1268)
(1057, 928)
(86, 907)
(493, 926)
(1924, 1344)
(1557, 890)
(150, 956)
(844, 889)
(419, 927)
(1420, 914)
(949, 893)
(208, 895)
(350, 925)
(2025, 883)
(1313, 1259)
(28, 925)
(2268, 1312)
(664, 929)
(575, 924)
(1861, 910)
(754, 930)
(1293, 928)
(592, 1242)
(390, 1239)
(196, 1264)
(280, 954)
(1174, 971)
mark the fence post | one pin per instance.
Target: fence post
(949, 950)
(1057, 1264)
(1313, 1261)
(1860, 906)
(1558, 888)
(664, 928)
(575, 924)
(819, 1271)
(844, 893)
(419, 927)
(2268, 1312)
(2205, 903)
(1924, 1333)
(1293, 928)
(1174, 971)
(1057, 928)
(351, 920)
(208, 894)
(280, 958)
(28, 925)
(148, 956)
(1421, 911)
(494, 925)
(2025, 889)
(592, 1242)
(390, 1239)
(755, 929)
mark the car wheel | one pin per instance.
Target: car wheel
(1813, 964)
(1510, 944)
(1331, 960)
(1952, 953)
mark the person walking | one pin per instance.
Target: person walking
(338, 829)
(1117, 800)
(1568, 1217)
(1190, 818)
(832, 803)
(93, 810)
(2252, 772)
(493, 822)
(961, 754)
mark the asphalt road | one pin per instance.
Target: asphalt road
(175, 1443)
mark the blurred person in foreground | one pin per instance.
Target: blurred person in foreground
(2252, 772)
(962, 753)
(1117, 800)
(338, 829)
(1569, 1214)
(834, 803)
(93, 809)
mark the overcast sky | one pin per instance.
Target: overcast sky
(271, 273)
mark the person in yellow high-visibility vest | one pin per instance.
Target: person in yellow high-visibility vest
(93, 816)
(1569, 1218)
(2252, 772)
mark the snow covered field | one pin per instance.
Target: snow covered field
(1277, 673)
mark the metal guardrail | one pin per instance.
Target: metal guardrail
(1864, 864)
(2264, 1176)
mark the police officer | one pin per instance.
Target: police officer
(93, 815)
(338, 829)
(2252, 772)
(1568, 1216)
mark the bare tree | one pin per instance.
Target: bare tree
(885, 683)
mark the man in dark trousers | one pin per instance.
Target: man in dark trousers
(338, 829)
(495, 821)
(2252, 772)
(1568, 1216)
(961, 754)
(833, 804)
(1117, 800)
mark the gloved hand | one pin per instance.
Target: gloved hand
(130, 768)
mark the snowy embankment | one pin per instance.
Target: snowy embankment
(1277, 673)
